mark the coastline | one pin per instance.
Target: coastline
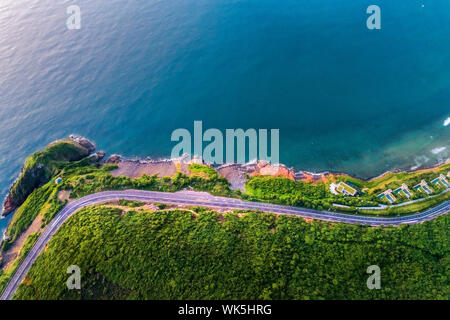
(149, 160)
(95, 176)
(237, 174)
(419, 168)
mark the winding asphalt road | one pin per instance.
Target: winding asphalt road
(206, 200)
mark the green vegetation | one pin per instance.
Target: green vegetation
(297, 193)
(161, 206)
(6, 275)
(394, 180)
(36, 193)
(82, 181)
(131, 203)
(80, 178)
(41, 201)
(345, 187)
(42, 165)
(175, 254)
(178, 255)
(203, 171)
(415, 207)
(317, 196)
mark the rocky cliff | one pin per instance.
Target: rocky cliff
(41, 166)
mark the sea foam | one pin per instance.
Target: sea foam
(438, 150)
(447, 122)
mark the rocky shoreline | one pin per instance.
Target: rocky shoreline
(264, 168)
(236, 174)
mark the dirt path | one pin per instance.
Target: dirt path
(12, 253)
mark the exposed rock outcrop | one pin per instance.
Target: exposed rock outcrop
(237, 174)
(90, 146)
(313, 177)
(278, 170)
(101, 155)
(8, 205)
(97, 156)
(113, 159)
(40, 167)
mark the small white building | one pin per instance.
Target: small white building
(344, 188)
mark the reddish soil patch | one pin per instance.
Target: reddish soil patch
(308, 220)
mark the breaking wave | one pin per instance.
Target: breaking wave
(438, 150)
(447, 122)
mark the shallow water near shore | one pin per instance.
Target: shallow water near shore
(344, 98)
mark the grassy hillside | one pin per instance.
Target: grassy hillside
(393, 180)
(41, 166)
(80, 178)
(179, 255)
(317, 195)
(298, 193)
(41, 201)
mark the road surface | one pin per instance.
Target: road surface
(206, 200)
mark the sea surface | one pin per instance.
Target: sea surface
(345, 98)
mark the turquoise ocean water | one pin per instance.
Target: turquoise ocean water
(345, 98)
